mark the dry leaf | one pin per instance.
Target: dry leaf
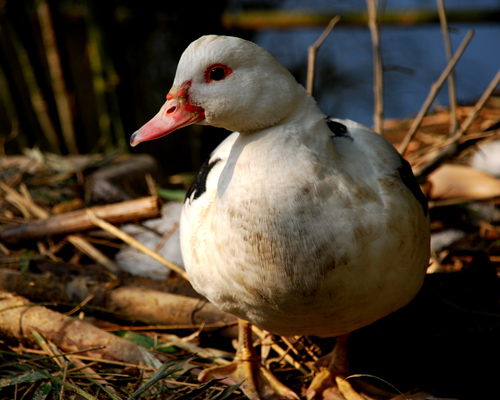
(461, 181)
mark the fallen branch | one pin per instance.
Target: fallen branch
(78, 221)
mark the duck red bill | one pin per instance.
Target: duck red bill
(174, 114)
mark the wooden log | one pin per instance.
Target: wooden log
(78, 221)
(19, 317)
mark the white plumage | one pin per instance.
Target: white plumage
(297, 223)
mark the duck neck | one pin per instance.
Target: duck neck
(297, 112)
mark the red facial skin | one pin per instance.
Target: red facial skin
(176, 113)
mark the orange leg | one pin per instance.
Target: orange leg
(258, 382)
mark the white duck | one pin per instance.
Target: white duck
(299, 224)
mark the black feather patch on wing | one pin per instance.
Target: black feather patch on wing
(338, 129)
(411, 183)
(199, 185)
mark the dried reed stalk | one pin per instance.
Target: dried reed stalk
(435, 87)
(448, 149)
(135, 243)
(452, 92)
(378, 76)
(98, 256)
(313, 50)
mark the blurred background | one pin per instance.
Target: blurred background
(80, 76)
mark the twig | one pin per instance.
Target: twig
(478, 107)
(287, 357)
(42, 249)
(4, 249)
(290, 346)
(24, 202)
(434, 91)
(137, 365)
(65, 375)
(459, 200)
(98, 256)
(480, 135)
(89, 372)
(452, 93)
(135, 243)
(378, 77)
(79, 306)
(313, 50)
(166, 236)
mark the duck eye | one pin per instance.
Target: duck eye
(217, 73)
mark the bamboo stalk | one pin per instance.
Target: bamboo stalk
(99, 85)
(313, 50)
(56, 75)
(435, 87)
(19, 59)
(452, 92)
(78, 221)
(104, 80)
(378, 76)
